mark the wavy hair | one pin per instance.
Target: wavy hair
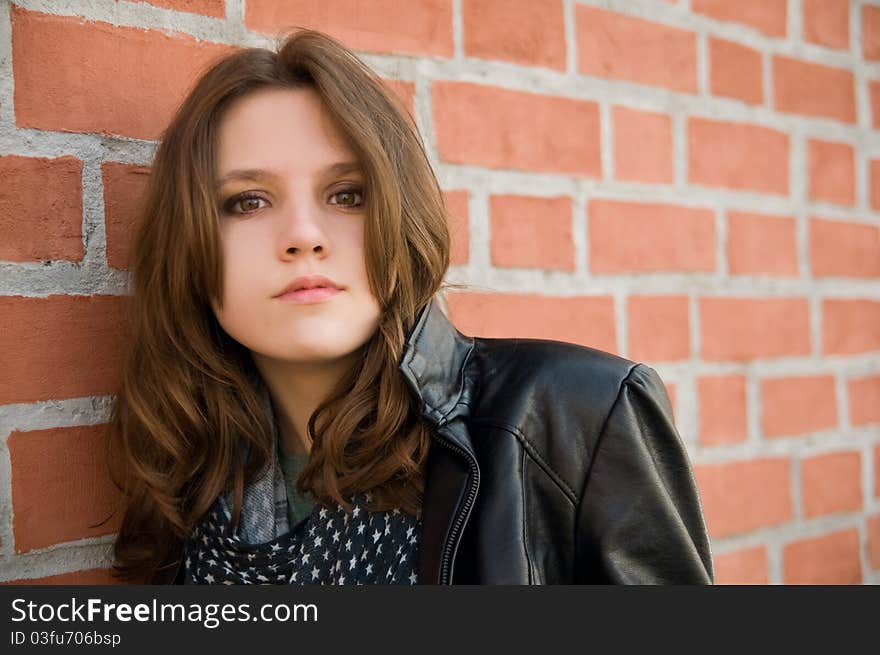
(188, 402)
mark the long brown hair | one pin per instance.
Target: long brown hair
(187, 402)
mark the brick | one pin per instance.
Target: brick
(747, 566)
(124, 187)
(826, 22)
(51, 53)
(585, 320)
(41, 209)
(767, 16)
(874, 182)
(621, 47)
(864, 401)
(876, 468)
(874, 95)
(832, 172)
(215, 8)
(742, 496)
(760, 244)
(802, 87)
(844, 249)
(798, 405)
(60, 346)
(528, 32)
(642, 146)
(60, 486)
(743, 329)
(87, 577)
(722, 154)
(671, 394)
(530, 232)
(459, 230)
(831, 483)
(871, 32)
(735, 71)
(498, 128)
(722, 409)
(873, 529)
(658, 328)
(850, 326)
(636, 236)
(825, 560)
(418, 27)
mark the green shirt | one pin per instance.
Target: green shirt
(299, 506)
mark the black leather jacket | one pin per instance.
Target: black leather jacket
(557, 464)
(552, 464)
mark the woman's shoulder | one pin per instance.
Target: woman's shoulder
(557, 397)
(556, 366)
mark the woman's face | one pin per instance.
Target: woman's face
(291, 208)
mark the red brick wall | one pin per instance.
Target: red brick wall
(690, 183)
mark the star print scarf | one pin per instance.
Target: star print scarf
(329, 546)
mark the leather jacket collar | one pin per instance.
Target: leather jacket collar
(434, 365)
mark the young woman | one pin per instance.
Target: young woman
(296, 408)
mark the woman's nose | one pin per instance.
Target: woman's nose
(302, 231)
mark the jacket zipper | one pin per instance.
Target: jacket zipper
(452, 543)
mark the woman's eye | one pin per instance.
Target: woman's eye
(347, 198)
(244, 204)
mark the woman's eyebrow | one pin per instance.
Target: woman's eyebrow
(258, 174)
(342, 167)
(248, 174)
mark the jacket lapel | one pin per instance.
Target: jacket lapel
(433, 365)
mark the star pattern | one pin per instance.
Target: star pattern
(323, 548)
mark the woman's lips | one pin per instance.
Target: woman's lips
(309, 296)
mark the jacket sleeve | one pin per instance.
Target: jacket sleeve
(639, 518)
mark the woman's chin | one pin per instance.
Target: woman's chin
(306, 354)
